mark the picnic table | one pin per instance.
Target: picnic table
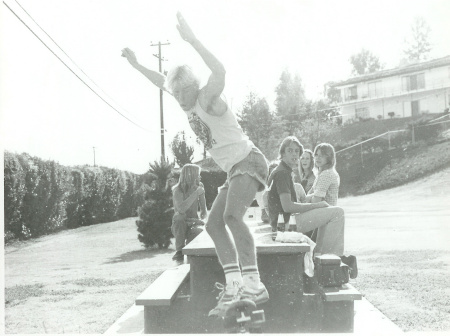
(181, 300)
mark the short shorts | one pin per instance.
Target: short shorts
(255, 165)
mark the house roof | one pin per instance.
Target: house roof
(395, 71)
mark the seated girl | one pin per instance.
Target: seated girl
(326, 188)
(188, 194)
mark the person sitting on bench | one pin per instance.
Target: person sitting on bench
(326, 188)
(329, 220)
(282, 197)
(188, 194)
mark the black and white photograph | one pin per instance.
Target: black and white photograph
(214, 167)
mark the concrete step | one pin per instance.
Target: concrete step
(368, 321)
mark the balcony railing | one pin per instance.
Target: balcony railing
(387, 92)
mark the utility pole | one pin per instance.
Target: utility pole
(94, 155)
(160, 58)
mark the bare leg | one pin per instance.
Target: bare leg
(241, 194)
(215, 226)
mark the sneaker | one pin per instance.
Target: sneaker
(227, 295)
(178, 256)
(259, 296)
(350, 261)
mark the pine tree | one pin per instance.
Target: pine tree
(155, 216)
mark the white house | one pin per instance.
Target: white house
(405, 91)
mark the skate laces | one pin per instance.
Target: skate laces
(223, 291)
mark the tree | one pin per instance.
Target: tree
(322, 121)
(290, 96)
(333, 93)
(155, 215)
(417, 46)
(290, 102)
(364, 62)
(256, 120)
(181, 150)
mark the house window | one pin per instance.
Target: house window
(414, 82)
(362, 113)
(374, 89)
(351, 93)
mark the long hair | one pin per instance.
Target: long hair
(188, 176)
(327, 150)
(181, 74)
(302, 172)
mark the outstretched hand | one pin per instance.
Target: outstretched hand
(129, 55)
(184, 29)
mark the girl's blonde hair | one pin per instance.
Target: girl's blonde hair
(189, 174)
(327, 150)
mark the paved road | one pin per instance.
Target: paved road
(415, 216)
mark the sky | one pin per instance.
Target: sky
(48, 112)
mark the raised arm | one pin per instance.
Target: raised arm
(181, 205)
(216, 81)
(202, 202)
(155, 77)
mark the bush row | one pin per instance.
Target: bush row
(41, 197)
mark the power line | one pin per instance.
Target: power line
(68, 67)
(79, 68)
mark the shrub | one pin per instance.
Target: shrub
(155, 216)
(14, 191)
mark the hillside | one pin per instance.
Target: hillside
(387, 169)
(370, 128)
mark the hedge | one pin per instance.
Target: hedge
(41, 197)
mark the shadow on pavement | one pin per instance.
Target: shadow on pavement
(138, 255)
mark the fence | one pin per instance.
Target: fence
(388, 134)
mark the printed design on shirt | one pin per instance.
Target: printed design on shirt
(202, 130)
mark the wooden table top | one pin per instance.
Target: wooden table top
(203, 245)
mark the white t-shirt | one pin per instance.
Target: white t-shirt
(222, 136)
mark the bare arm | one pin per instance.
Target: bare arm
(216, 82)
(155, 77)
(294, 207)
(181, 205)
(203, 210)
(315, 199)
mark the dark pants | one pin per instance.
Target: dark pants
(183, 232)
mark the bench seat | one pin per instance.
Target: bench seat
(163, 290)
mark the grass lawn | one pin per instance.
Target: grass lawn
(82, 280)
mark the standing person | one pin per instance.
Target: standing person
(282, 198)
(215, 124)
(326, 188)
(188, 195)
(306, 166)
